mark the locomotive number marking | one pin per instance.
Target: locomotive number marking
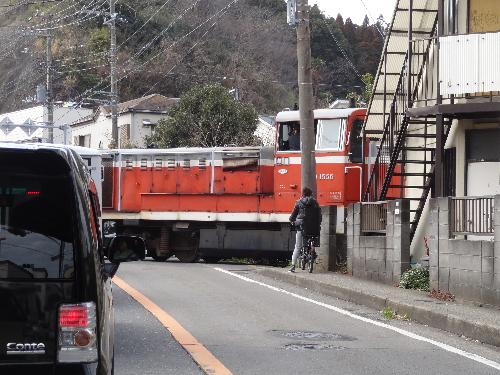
(325, 176)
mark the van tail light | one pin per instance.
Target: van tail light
(77, 340)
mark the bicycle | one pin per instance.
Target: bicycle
(307, 253)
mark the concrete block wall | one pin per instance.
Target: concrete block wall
(328, 251)
(470, 270)
(379, 258)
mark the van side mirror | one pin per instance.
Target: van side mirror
(126, 249)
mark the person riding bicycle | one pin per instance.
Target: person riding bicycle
(297, 217)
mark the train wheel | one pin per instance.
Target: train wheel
(211, 259)
(159, 259)
(185, 247)
(187, 256)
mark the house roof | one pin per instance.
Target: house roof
(89, 118)
(154, 103)
(151, 103)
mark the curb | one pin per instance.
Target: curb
(432, 316)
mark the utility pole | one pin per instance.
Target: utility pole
(48, 94)
(50, 101)
(306, 102)
(113, 53)
(114, 81)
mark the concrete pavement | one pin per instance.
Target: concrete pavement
(459, 317)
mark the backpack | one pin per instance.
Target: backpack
(311, 222)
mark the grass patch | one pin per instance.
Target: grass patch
(390, 313)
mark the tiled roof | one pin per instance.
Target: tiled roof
(153, 102)
(89, 118)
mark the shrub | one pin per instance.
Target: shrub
(415, 278)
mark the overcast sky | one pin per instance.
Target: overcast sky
(356, 10)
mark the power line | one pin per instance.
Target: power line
(79, 62)
(164, 49)
(343, 52)
(160, 34)
(145, 23)
(374, 23)
(56, 17)
(21, 88)
(30, 3)
(83, 62)
(183, 37)
(188, 52)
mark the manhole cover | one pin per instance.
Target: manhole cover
(312, 347)
(313, 336)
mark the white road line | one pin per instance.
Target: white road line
(446, 347)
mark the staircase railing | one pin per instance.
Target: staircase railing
(393, 136)
(394, 124)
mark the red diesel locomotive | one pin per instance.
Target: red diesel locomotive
(224, 202)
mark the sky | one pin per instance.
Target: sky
(356, 10)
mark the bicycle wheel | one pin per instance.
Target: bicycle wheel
(311, 261)
(302, 259)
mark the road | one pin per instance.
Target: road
(257, 325)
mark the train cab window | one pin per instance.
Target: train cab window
(284, 133)
(330, 134)
(356, 142)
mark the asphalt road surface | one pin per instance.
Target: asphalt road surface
(257, 325)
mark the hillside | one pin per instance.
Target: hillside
(168, 46)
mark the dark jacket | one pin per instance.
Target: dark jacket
(298, 210)
(294, 142)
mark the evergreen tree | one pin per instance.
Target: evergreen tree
(206, 116)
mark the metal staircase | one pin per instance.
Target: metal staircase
(404, 166)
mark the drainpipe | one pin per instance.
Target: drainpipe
(438, 163)
(410, 56)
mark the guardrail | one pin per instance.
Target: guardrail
(374, 217)
(472, 215)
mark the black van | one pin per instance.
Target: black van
(56, 306)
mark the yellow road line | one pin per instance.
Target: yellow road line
(200, 354)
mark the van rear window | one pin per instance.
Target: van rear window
(36, 236)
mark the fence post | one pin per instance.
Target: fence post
(328, 252)
(433, 244)
(353, 234)
(442, 254)
(398, 215)
(495, 292)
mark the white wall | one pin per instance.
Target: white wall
(62, 115)
(100, 131)
(66, 115)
